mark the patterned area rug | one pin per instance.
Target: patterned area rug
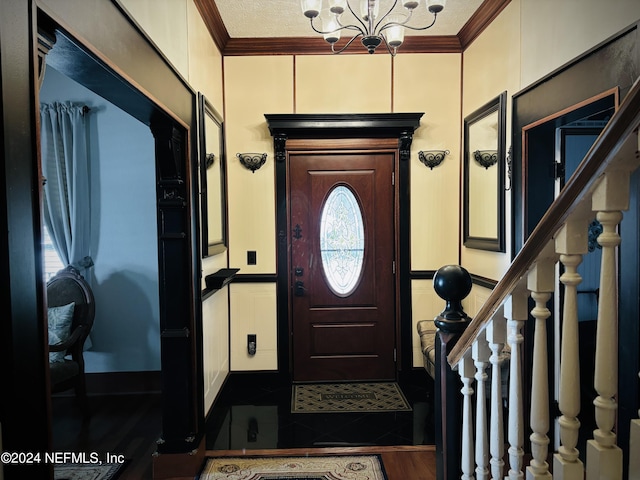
(334, 467)
(72, 471)
(348, 398)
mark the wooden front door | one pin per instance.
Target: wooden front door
(342, 265)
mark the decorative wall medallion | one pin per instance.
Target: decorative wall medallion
(252, 161)
(486, 158)
(432, 158)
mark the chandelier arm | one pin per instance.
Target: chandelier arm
(398, 24)
(343, 27)
(353, 27)
(421, 28)
(364, 28)
(395, 2)
(333, 50)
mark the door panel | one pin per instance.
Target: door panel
(351, 335)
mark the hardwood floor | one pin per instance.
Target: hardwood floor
(130, 425)
(126, 425)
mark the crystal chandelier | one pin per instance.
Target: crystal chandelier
(372, 27)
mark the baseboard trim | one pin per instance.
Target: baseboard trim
(179, 466)
(123, 383)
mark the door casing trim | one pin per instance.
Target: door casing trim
(340, 132)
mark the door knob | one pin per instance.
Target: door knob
(298, 289)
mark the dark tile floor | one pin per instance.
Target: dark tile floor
(253, 411)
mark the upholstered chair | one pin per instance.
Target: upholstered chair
(71, 310)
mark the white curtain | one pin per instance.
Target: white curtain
(67, 208)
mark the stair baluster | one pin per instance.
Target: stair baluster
(541, 284)
(516, 310)
(610, 197)
(571, 244)
(480, 354)
(466, 370)
(496, 335)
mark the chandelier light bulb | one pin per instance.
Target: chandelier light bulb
(337, 6)
(394, 34)
(311, 8)
(436, 6)
(331, 26)
(410, 5)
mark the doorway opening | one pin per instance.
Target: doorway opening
(167, 189)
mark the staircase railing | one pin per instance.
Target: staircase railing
(600, 187)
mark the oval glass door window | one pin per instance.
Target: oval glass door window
(342, 240)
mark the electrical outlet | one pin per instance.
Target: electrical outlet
(252, 344)
(252, 257)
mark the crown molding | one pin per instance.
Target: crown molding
(317, 46)
(480, 20)
(212, 19)
(228, 46)
(276, 46)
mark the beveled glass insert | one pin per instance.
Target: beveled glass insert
(342, 240)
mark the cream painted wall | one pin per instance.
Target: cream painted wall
(215, 340)
(253, 311)
(165, 22)
(343, 84)
(253, 86)
(475, 299)
(553, 32)
(430, 83)
(491, 65)
(205, 76)
(205, 60)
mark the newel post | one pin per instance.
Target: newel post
(452, 283)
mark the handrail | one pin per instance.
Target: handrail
(602, 156)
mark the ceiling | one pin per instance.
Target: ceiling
(267, 27)
(284, 18)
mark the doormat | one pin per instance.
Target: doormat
(85, 471)
(348, 398)
(334, 467)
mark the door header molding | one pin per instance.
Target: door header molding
(348, 125)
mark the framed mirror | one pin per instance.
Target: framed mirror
(484, 172)
(213, 202)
